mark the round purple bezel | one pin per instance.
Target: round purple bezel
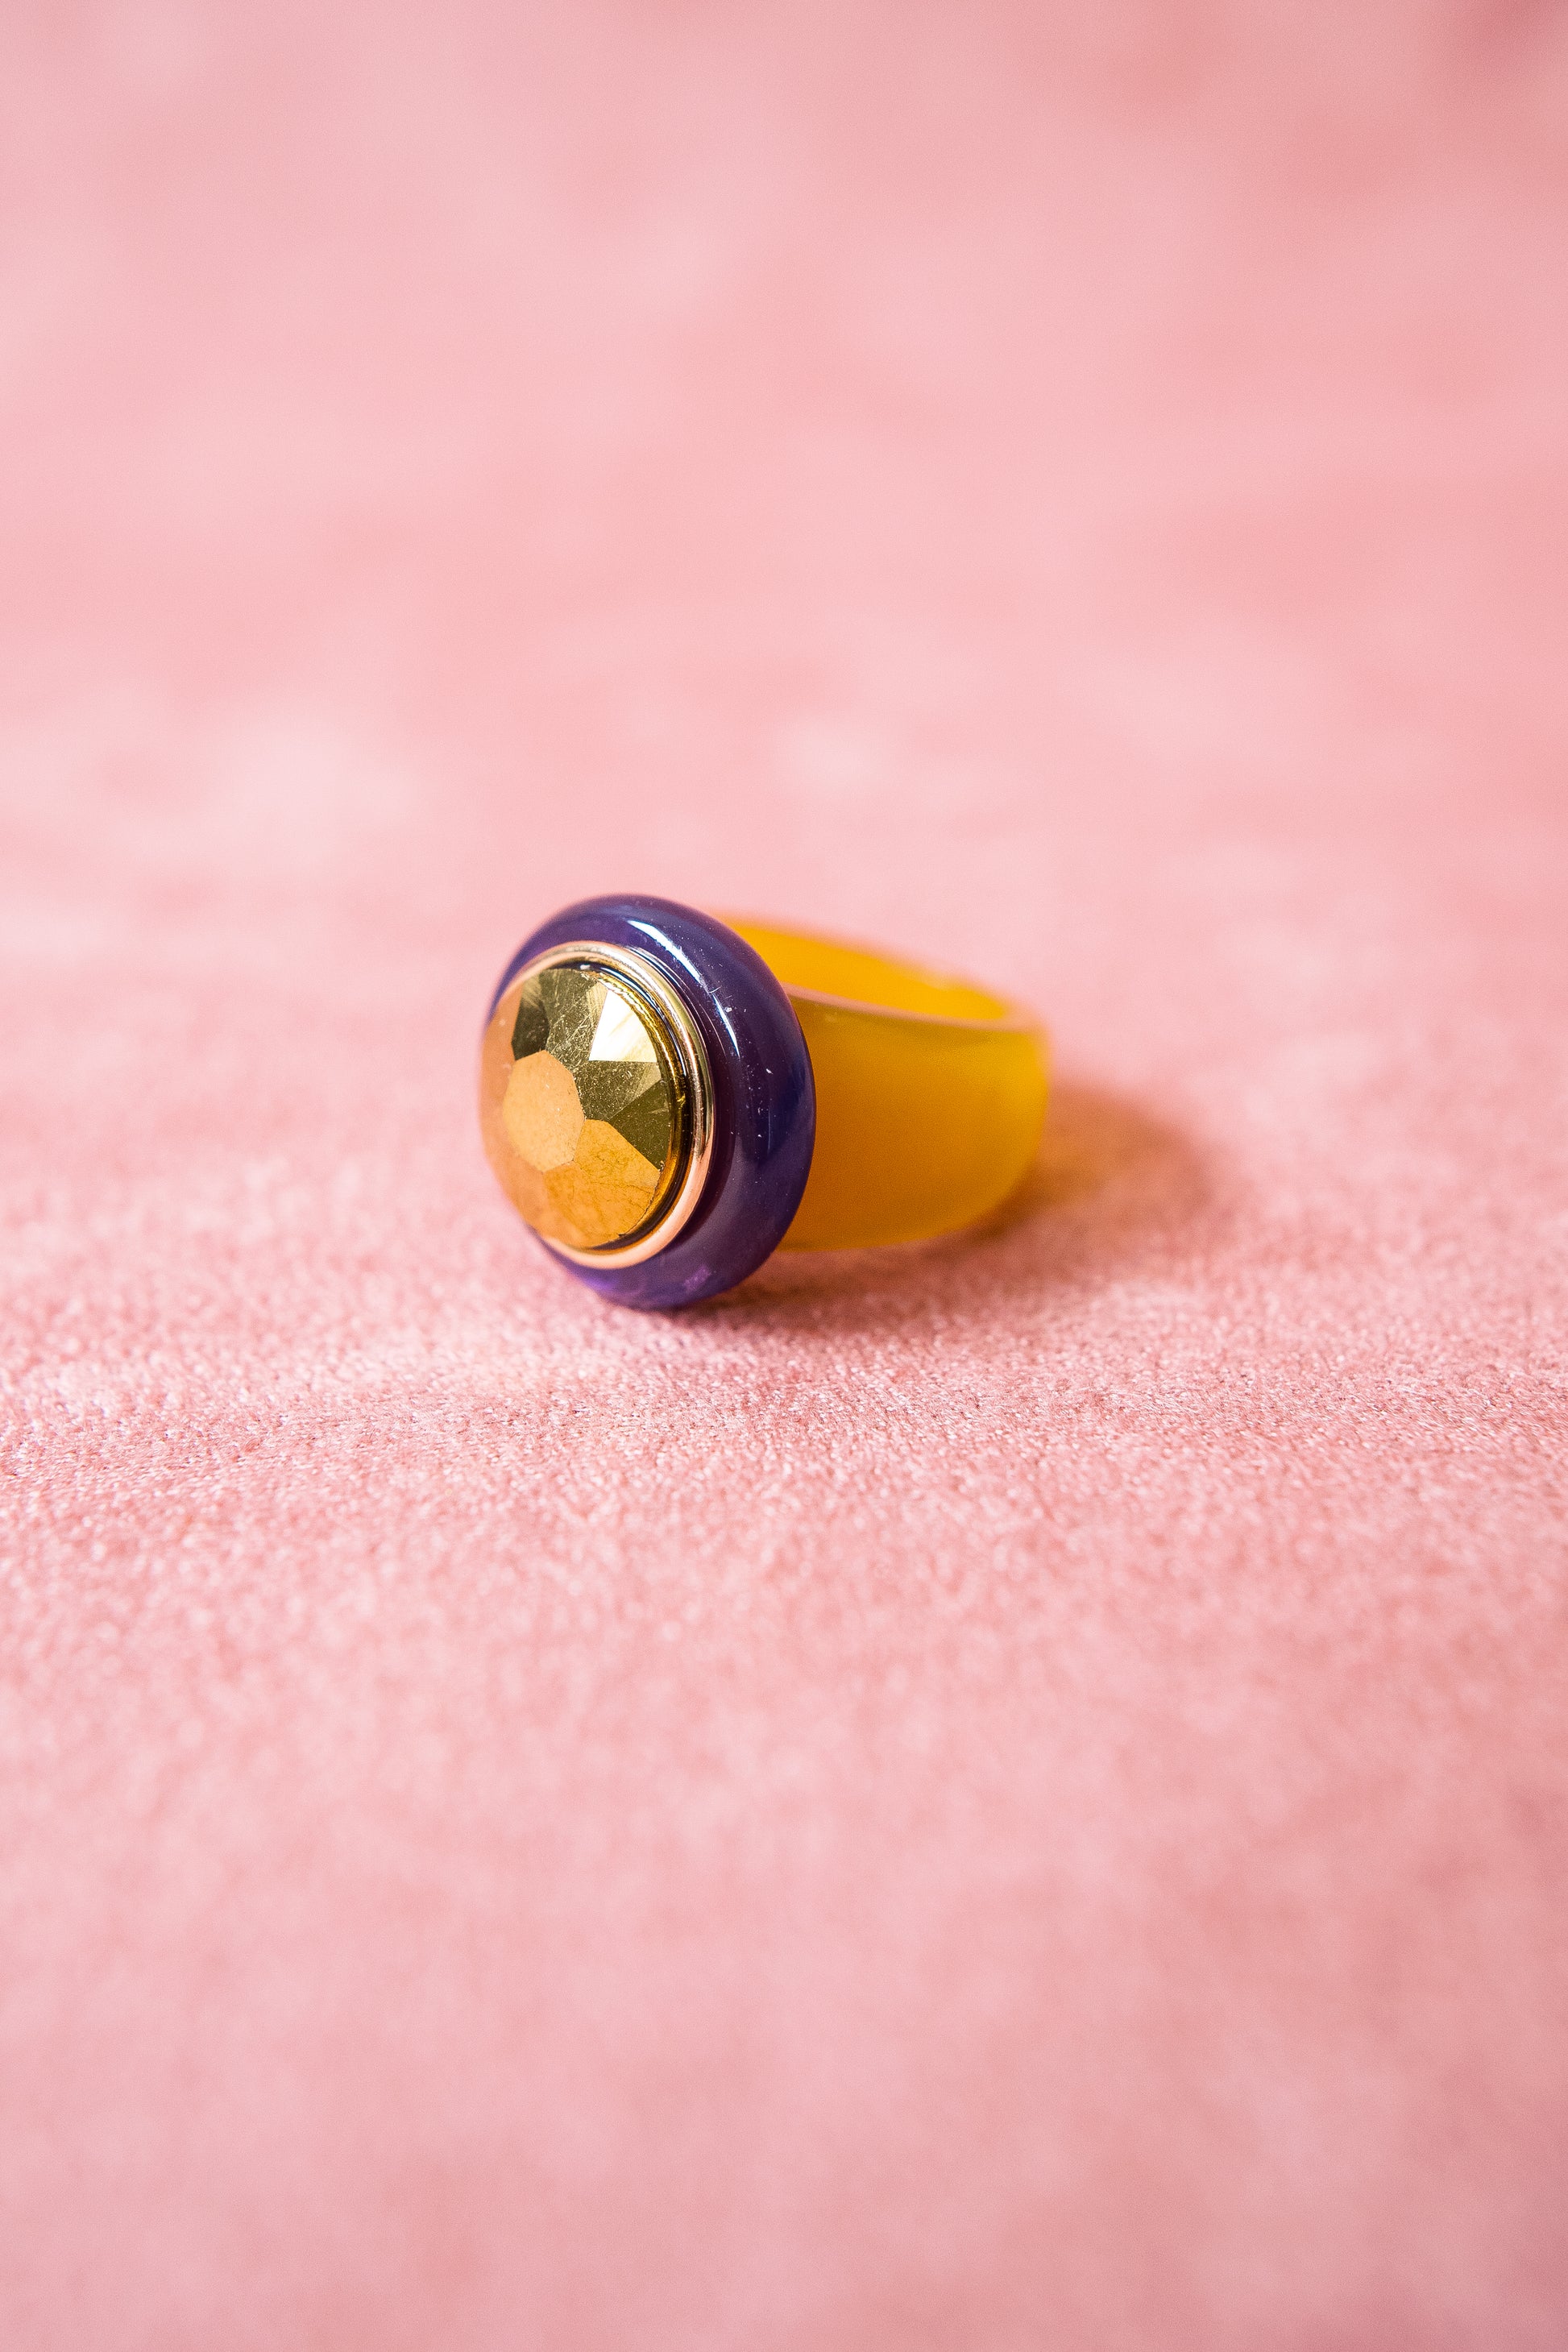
(764, 1098)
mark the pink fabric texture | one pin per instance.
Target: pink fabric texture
(1008, 1795)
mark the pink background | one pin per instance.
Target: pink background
(1012, 1796)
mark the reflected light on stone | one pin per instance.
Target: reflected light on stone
(580, 1105)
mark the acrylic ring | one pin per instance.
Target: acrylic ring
(666, 1098)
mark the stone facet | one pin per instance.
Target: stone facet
(581, 1105)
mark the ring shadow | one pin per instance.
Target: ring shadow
(1112, 1185)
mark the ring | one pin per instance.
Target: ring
(667, 1098)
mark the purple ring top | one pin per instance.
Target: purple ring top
(762, 1106)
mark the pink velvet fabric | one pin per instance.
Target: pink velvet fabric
(1009, 1795)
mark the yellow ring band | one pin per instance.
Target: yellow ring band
(930, 1093)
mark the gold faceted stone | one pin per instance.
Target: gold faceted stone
(580, 1104)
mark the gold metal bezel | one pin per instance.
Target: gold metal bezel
(682, 1041)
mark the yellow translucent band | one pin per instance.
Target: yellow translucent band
(929, 1094)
